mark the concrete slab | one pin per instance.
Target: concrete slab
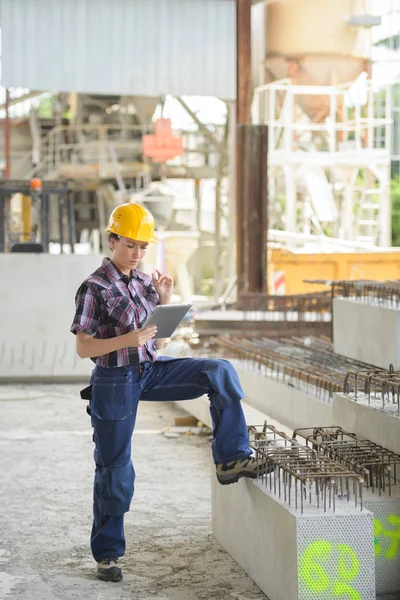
(377, 426)
(45, 511)
(366, 332)
(283, 402)
(314, 556)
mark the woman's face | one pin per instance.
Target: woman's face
(126, 253)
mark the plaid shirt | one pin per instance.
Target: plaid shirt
(109, 303)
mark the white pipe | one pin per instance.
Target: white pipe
(275, 235)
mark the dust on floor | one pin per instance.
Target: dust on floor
(46, 485)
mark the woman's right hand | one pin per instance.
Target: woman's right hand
(139, 337)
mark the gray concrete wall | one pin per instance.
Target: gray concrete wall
(37, 308)
(367, 333)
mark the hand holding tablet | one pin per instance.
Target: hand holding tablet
(166, 318)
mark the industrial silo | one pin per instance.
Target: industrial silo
(317, 42)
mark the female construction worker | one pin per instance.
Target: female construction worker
(112, 305)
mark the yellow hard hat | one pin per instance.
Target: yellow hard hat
(132, 221)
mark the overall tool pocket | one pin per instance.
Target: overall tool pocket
(112, 397)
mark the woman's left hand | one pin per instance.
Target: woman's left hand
(164, 286)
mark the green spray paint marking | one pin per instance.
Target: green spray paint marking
(349, 565)
(311, 571)
(317, 579)
(392, 534)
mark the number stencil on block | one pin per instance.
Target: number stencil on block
(336, 558)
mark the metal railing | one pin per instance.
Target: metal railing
(96, 148)
(347, 128)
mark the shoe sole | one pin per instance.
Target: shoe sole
(249, 475)
(236, 478)
(112, 574)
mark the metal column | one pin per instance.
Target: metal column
(71, 222)
(243, 115)
(44, 221)
(2, 222)
(7, 138)
(253, 145)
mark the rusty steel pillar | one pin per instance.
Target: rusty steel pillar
(243, 115)
(253, 192)
(243, 66)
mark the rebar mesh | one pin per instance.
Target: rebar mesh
(309, 363)
(374, 463)
(301, 475)
(375, 293)
(376, 387)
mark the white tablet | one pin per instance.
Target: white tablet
(167, 317)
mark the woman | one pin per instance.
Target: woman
(112, 306)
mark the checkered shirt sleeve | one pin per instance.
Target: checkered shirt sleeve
(87, 314)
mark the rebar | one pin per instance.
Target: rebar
(374, 463)
(283, 462)
(306, 363)
(375, 385)
(376, 293)
(301, 303)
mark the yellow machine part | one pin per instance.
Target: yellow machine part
(288, 270)
(26, 212)
(21, 217)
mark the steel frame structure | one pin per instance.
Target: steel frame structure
(333, 149)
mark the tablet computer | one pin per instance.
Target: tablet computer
(167, 317)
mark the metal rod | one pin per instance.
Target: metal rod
(71, 221)
(44, 221)
(7, 137)
(61, 223)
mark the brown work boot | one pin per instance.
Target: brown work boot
(245, 467)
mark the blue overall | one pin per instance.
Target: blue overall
(115, 395)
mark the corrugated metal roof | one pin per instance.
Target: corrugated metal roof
(138, 47)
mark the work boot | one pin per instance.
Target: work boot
(108, 570)
(245, 467)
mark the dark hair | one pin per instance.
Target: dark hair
(113, 236)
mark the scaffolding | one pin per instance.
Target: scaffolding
(333, 171)
(386, 65)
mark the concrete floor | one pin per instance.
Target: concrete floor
(45, 510)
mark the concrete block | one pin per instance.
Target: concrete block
(37, 304)
(386, 512)
(283, 402)
(243, 499)
(314, 556)
(367, 422)
(366, 332)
